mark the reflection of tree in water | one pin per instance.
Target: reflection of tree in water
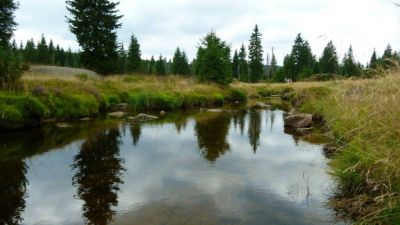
(254, 129)
(135, 132)
(180, 124)
(98, 176)
(12, 191)
(211, 131)
(239, 119)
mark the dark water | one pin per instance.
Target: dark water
(201, 168)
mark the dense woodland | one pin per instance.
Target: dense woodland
(215, 61)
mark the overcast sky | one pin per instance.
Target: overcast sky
(162, 25)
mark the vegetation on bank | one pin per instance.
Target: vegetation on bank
(363, 116)
(39, 97)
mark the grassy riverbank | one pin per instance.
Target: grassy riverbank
(362, 116)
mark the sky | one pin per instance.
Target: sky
(161, 26)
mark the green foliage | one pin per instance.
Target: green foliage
(95, 28)
(349, 67)
(70, 106)
(238, 95)
(7, 20)
(160, 66)
(299, 64)
(10, 117)
(328, 63)
(255, 56)
(235, 65)
(180, 63)
(243, 65)
(213, 60)
(151, 100)
(10, 67)
(134, 54)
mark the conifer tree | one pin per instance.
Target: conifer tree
(235, 65)
(42, 51)
(51, 53)
(373, 61)
(213, 60)
(30, 51)
(243, 65)
(350, 67)
(180, 64)
(7, 20)
(255, 56)
(301, 59)
(160, 66)
(274, 64)
(328, 63)
(134, 55)
(94, 24)
(10, 62)
(122, 60)
(152, 64)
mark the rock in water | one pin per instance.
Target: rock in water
(143, 117)
(117, 114)
(162, 112)
(63, 125)
(261, 105)
(301, 120)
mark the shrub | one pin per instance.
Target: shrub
(10, 67)
(10, 117)
(238, 95)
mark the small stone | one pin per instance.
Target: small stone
(117, 114)
(63, 125)
(85, 119)
(300, 120)
(162, 112)
(215, 110)
(261, 105)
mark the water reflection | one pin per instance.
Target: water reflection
(211, 130)
(135, 132)
(98, 176)
(254, 129)
(12, 191)
(154, 174)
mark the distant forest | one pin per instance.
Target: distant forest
(95, 26)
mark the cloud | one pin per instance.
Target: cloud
(161, 26)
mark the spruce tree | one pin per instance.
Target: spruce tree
(328, 63)
(302, 61)
(122, 60)
(213, 60)
(243, 65)
(350, 67)
(176, 61)
(134, 55)
(51, 53)
(160, 66)
(235, 65)
(180, 63)
(7, 21)
(373, 61)
(274, 64)
(94, 24)
(255, 56)
(30, 51)
(10, 62)
(152, 64)
(42, 51)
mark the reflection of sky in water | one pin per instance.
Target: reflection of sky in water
(168, 180)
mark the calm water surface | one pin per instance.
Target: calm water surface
(198, 168)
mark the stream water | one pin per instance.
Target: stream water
(237, 167)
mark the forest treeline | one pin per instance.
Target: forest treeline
(95, 26)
